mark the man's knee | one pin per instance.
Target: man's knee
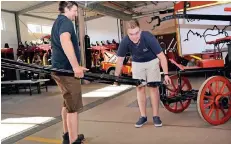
(154, 89)
(70, 110)
(140, 89)
(73, 105)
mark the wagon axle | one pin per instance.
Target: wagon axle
(180, 97)
(213, 98)
(220, 102)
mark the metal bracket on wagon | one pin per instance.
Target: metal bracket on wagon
(154, 84)
(190, 17)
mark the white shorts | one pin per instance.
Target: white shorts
(148, 71)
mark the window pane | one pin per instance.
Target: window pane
(46, 29)
(2, 24)
(32, 28)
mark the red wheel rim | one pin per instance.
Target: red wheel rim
(172, 91)
(210, 96)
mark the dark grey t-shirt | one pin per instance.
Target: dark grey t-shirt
(59, 59)
(145, 51)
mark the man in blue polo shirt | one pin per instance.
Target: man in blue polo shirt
(66, 55)
(146, 54)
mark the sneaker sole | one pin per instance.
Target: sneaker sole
(81, 137)
(138, 126)
(158, 125)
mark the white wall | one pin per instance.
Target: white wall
(25, 35)
(102, 29)
(9, 33)
(97, 29)
(195, 34)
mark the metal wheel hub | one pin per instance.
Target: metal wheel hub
(224, 102)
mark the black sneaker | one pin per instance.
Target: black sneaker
(81, 137)
(66, 138)
(157, 122)
(78, 141)
(141, 122)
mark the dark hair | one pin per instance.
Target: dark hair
(68, 4)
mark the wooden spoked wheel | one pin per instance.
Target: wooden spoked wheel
(214, 100)
(173, 90)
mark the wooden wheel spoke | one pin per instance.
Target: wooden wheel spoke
(175, 106)
(217, 114)
(208, 97)
(211, 91)
(208, 105)
(182, 85)
(226, 94)
(171, 90)
(223, 111)
(211, 111)
(217, 87)
(181, 104)
(173, 85)
(172, 94)
(222, 88)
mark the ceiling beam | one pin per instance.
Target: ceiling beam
(93, 17)
(46, 3)
(142, 4)
(8, 11)
(155, 3)
(130, 4)
(106, 11)
(40, 17)
(51, 19)
(121, 7)
(86, 3)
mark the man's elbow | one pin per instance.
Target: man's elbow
(119, 60)
(161, 56)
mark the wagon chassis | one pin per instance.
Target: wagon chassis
(210, 96)
(214, 95)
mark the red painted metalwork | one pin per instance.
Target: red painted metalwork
(173, 91)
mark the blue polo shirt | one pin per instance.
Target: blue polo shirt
(59, 59)
(145, 51)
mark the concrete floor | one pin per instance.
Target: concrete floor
(109, 120)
